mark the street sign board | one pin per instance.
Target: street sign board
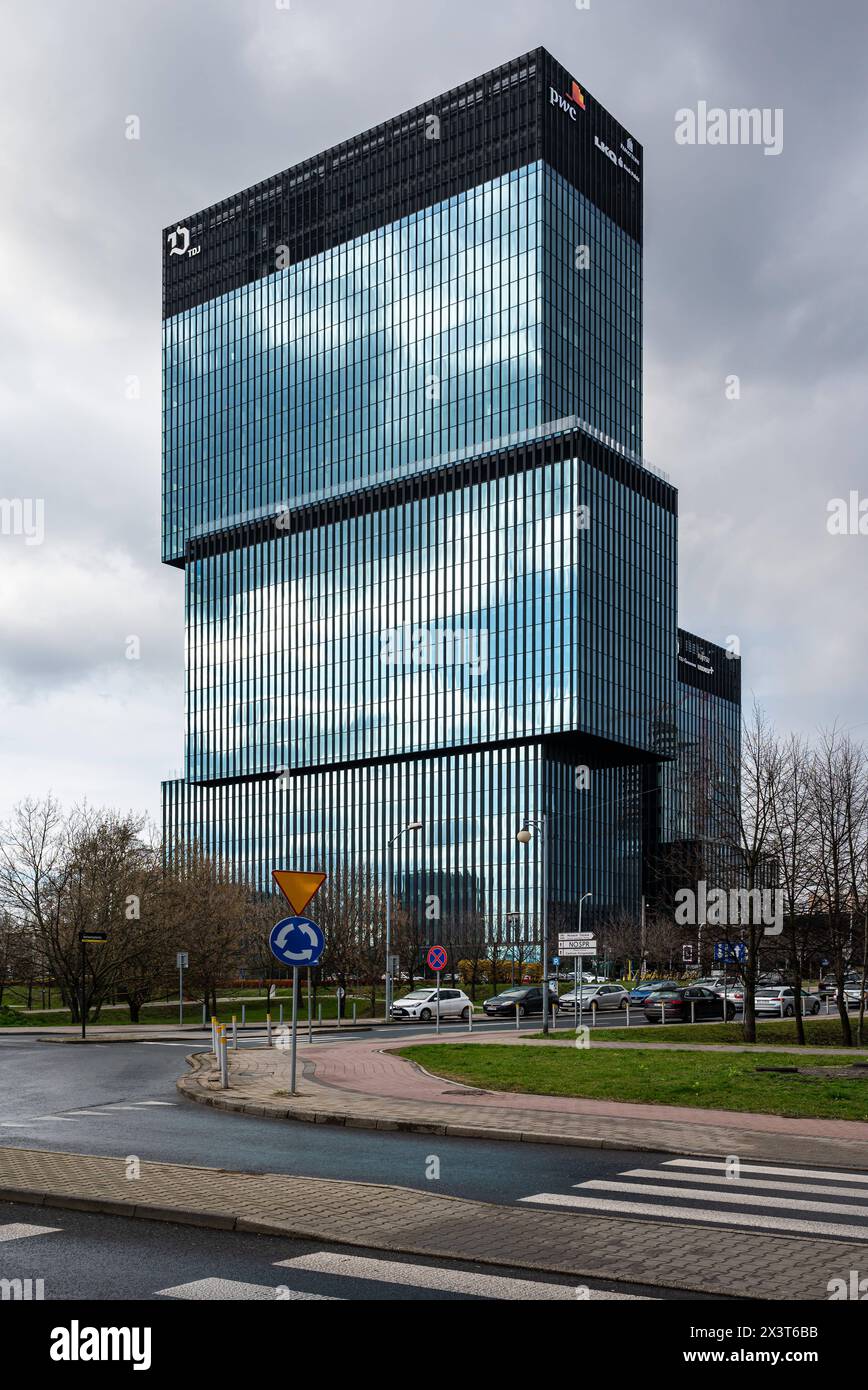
(296, 941)
(437, 958)
(556, 960)
(577, 944)
(393, 965)
(297, 888)
(730, 951)
(687, 954)
(182, 960)
(100, 936)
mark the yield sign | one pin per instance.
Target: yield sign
(297, 888)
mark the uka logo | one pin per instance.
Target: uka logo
(179, 243)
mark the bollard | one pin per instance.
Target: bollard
(354, 1011)
(214, 1034)
(268, 1030)
(224, 1059)
(693, 1010)
(280, 1016)
(243, 1014)
(663, 1011)
(518, 1015)
(470, 1019)
(628, 1011)
(204, 1016)
(319, 1013)
(235, 1032)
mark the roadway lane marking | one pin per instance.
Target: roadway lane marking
(18, 1230)
(717, 1165)
(737, 1199)
(443, 1280)
(205, 1289)
(156, 1102)
(759, 1222)
(145, 1043)
(742, 1184)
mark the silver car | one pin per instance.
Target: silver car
(779, 1001)
(596, 997)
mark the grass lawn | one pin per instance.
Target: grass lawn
(167, 1014)
(820, 1031)
(717, 1081)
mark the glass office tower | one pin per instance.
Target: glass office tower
(427, 573)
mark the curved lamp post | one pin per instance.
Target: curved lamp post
(524, 837)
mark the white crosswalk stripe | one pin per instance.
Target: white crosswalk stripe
(20, 1230)
(757, 1196)
(206, 1289)
(467, 1282)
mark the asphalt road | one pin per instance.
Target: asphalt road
(78, 1255)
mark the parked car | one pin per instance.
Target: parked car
(689, 1004)
(779, 1001)
(596, 997)
(421, 1004)
(828, 988)
(527, 998)
(712, 982)
(641, 992)
(853, 995)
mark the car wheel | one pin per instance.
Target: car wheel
(465, 1013)
(788, 1011)
(623, 1004)
(521, 1010)
(815, 1007)
(730, 1012)
(425, 1015)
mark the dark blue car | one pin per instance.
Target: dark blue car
(641, 992)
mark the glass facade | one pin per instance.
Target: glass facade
(426, 572)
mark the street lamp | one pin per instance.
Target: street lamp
(413, 825)
(524, 837)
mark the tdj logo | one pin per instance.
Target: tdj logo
(179, 241)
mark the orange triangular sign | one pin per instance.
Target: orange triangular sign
(297, 888)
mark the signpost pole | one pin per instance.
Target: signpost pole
(438, 1002)
(294, 1023)
(180, 990)
(309, 1007)
(576, 993)
(83, 995)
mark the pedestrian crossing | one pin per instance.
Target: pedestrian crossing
(91, 1112)
(759, 1197)
(348, 1274)
(339, 1276)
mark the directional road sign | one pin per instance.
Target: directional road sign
(730, 951)
(296, 941)
(297, 888)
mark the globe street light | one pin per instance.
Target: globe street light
(413, 825)
(524, 837)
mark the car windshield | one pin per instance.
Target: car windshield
(512, 994)
(667, 993)
(416, 994)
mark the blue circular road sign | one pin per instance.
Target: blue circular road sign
(296, 941)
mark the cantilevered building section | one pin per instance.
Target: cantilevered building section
(427, 573)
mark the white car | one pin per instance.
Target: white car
(421, 1004)
(596, 997)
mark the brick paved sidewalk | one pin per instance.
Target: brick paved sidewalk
(361, 1085)
(400, 1220)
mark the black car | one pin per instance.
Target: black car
(528, 998)
(687, 1005)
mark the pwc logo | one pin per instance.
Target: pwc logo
(571, 104)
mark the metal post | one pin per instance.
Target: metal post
(294, 1024)
(576, 991)
(223, 1045)
(388, 932)
(470, 1019)
(83, 995)
(243, 1014)
(437, 1029)
(545, 922)
(204, 1016)
(235, 1032)
(354, 1011)
(517, 1015)
(180, 994)
(309, 1010)
(280, 1015)
(214, 1034)
(268, 1029)
(319, 1015)
(662, 1010)
(693, 1010)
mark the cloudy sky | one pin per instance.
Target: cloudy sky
(755, 267)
